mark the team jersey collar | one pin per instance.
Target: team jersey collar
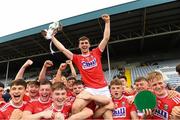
(58, 110)
(85, 55)
(119, 98)
(42, 101)
(16, 106)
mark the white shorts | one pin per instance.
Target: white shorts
(99, 91)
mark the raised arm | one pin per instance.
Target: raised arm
(73, 71)
(61, 68)
(61, 48)
(21, 71)
(106, 35)
(42, 74)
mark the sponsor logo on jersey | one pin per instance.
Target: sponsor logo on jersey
(89, 64)
(161, 113)
(119, 112)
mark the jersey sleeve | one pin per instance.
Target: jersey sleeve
(133, 107)
(1, 115)
(176, 99)
(29, 107)
(75, 59)
(97, 51)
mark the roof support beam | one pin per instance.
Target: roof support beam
(144, 30)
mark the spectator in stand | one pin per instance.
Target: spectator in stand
(169, 86)
(2, 102)
(165, 105)
(90, 67)
(17, 92)
(178, 69)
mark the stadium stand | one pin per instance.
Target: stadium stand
(166, 67)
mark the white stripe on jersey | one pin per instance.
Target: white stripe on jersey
(176, 100)
(3, 108)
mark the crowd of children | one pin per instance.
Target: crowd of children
(89, 98)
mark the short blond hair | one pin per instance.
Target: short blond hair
(154, 75)
(115, 81)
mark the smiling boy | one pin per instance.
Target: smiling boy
(17, 92)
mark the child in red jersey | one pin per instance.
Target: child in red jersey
(123, 109)
(35, 109)
(164, 104)
(32, 85)
(61, 106)
(33, 90)
(17, 92)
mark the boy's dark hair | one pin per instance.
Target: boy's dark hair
(58, 86)
(33, 82)
(123, 76)
(83, 38)
(178, 68)
(71, 78)
(18, 82)
(1, 85)
(116, 76)
(78, 82)
(46, 82)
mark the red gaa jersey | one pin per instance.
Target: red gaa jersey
(164, 107)
(69, 92)
(122, 109)
(26, 98)
(65, 110)
(90, 68)
(37, 106)
(8, 108)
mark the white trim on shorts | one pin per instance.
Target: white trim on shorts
(99, 91)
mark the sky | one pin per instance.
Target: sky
(18, 15)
